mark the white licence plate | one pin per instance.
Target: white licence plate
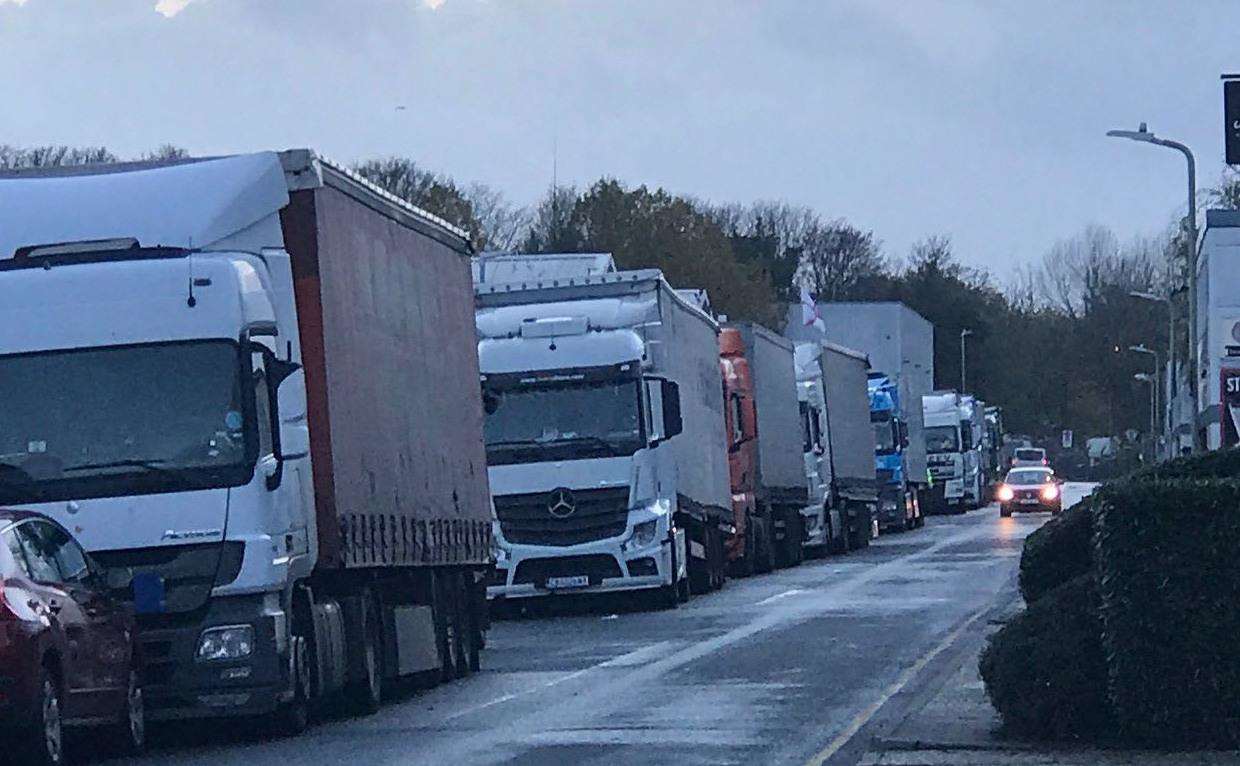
(1029, 501)
(576, 581)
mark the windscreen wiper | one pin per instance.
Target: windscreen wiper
(154, 466)
(597, 441)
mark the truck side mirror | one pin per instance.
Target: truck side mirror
(279, 370)
(672, 423)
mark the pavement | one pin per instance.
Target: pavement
(863, 658)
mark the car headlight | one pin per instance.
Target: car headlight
(1005, 493)
(1050, 492)
(643, 534)
(230, 642)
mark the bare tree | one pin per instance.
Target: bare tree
(836, 257)
(553, 227)
(503, 226)
(13, 158)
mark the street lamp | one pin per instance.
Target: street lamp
(1190, 266)
(1145, 377)
(1141, 349)
(963, 334)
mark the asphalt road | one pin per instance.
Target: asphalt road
(794, 667)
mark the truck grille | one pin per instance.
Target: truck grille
(563, 517)
(596, 567)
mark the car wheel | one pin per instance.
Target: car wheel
(45, 744)
(1004, 511)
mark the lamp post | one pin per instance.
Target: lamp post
(1143, 135)
(963, 334)
(1171, 375)
(1147, 378)
(1154, 400)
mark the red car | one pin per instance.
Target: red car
(66, 643)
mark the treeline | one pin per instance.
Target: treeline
(1050, 347)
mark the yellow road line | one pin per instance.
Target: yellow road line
(862, 718)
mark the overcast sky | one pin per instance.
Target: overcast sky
(981, 120)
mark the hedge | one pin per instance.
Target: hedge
(1058, 551)
(1220, 464)
(1168, 561)
(1044, 671)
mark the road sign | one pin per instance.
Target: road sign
(1066, 438)
(1231, 120)
(1229, 406)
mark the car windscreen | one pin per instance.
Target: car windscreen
(1030, 454)
(1028, 478)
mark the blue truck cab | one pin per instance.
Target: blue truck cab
(898, 507)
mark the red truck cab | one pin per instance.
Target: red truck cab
(749, 550)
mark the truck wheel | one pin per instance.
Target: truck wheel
(448, 627)
(796, 538)
(749, 554)
(477, 620)
(719, 571)
(366, 693)
(129, 734)
(292, 718)
(764, 545)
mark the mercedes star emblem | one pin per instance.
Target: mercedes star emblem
(561, 503)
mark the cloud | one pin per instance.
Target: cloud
(168, 8)
(434, 5)
(23, 2)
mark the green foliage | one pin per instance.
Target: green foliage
(1169, 574)
(1044, 671)
(1058, 551)
(644, 228)
(1220, 464)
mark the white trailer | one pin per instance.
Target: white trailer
(839, 444)
(899, 343)
(605, 436)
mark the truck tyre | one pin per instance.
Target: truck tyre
(129, 734)
(477, 622)
(292, 717)
(702, 571)
(366, 693)
(719, 571)
(764, 544)
(448, 626)
(749, 553)
(796, 538)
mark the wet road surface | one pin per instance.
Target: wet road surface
(793, 667)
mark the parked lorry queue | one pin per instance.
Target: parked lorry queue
(305, 434)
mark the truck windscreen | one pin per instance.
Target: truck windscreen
(942, 439)
(563, 421)
(884, 436)
(122, 420)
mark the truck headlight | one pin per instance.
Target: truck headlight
(230, 642)
(643, 534)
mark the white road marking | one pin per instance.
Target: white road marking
(778, 596)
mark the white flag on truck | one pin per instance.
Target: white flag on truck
(809, 311)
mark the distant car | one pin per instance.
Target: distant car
(1030, 489)
(66, 643)
(1029, 456)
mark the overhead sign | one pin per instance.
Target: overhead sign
(1229, 406)
(1231, 120)
(1066, 438)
